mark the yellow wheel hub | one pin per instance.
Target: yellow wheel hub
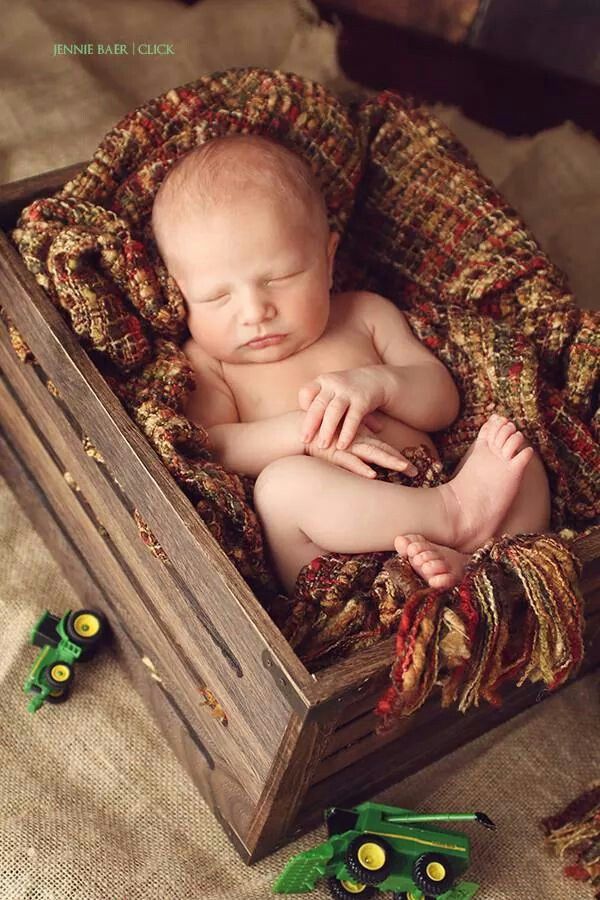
(436, 871)
(60, 672)
(352, 887)
(86, 625)
(371, 856)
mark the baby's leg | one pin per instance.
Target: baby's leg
(308, 506)
(443, 566)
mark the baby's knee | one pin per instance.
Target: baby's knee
(279, 477)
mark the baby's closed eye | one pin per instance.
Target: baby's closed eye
(283, 277)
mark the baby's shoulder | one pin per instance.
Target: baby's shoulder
(354, 309)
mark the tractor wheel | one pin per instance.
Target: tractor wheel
(369, 859)
(58, 675)
(86, 628)
(433, 874)
(58, 696)
(347, 890)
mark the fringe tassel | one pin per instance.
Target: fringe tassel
(517, 615)
(574, 835)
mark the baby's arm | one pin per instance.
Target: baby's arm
(419, 389)
(247, 447)
(243, 447)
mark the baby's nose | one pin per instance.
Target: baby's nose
(255, 303)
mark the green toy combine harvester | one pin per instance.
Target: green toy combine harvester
(374, 847)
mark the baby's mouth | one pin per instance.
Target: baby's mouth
(266, 340)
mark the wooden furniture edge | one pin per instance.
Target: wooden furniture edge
(15, 195)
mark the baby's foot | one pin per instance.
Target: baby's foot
(479, 496)
(439, 566)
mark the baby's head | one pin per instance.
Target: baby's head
(241, 224)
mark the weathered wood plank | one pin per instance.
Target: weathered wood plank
(16, 195)
(432, 733)
(229, 783)
(163, 599)
(226, 599)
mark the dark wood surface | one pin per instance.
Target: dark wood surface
(511, 95)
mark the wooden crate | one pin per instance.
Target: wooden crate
(292, 742)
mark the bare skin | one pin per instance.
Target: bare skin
(439, 566)
(260, 266)
(442, 566)
(462, 514)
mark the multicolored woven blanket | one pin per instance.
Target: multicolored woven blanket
(423, 227)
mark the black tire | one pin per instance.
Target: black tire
(75, 630)
(427, 884)
(59, 696)
(361, 873)
(338, 891)
(54, 683)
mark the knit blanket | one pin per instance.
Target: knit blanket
(422, 226)
(573, 835)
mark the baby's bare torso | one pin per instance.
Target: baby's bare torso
(263, 390)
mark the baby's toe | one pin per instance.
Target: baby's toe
(419, 545)
(513, 444)
(401, 543)
(435, 567)
(504, 432)
(442, 581)
(425, 556)
(494, 424)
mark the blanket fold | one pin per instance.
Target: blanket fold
(423, 227)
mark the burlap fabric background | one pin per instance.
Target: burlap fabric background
(96, 807)
(93, 803)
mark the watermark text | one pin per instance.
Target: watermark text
(132, 48)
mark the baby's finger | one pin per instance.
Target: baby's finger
(349, 428)
(313, 418)
(391, 460)
(331, 419)
(353, 464)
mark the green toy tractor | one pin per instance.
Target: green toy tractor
(374, 847)
(74, 637)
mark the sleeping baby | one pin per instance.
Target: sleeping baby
(302, 388)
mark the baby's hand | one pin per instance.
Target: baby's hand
(345, 397)
(365, 446)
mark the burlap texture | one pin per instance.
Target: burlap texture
(96, 807)
(93, 804)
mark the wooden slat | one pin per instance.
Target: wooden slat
(159, 599)
(227, 600)
(358, 739)
(231, 783)
(284, 794)
(431, 734)
(43, 519)
(15, 195)
(49, 523)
